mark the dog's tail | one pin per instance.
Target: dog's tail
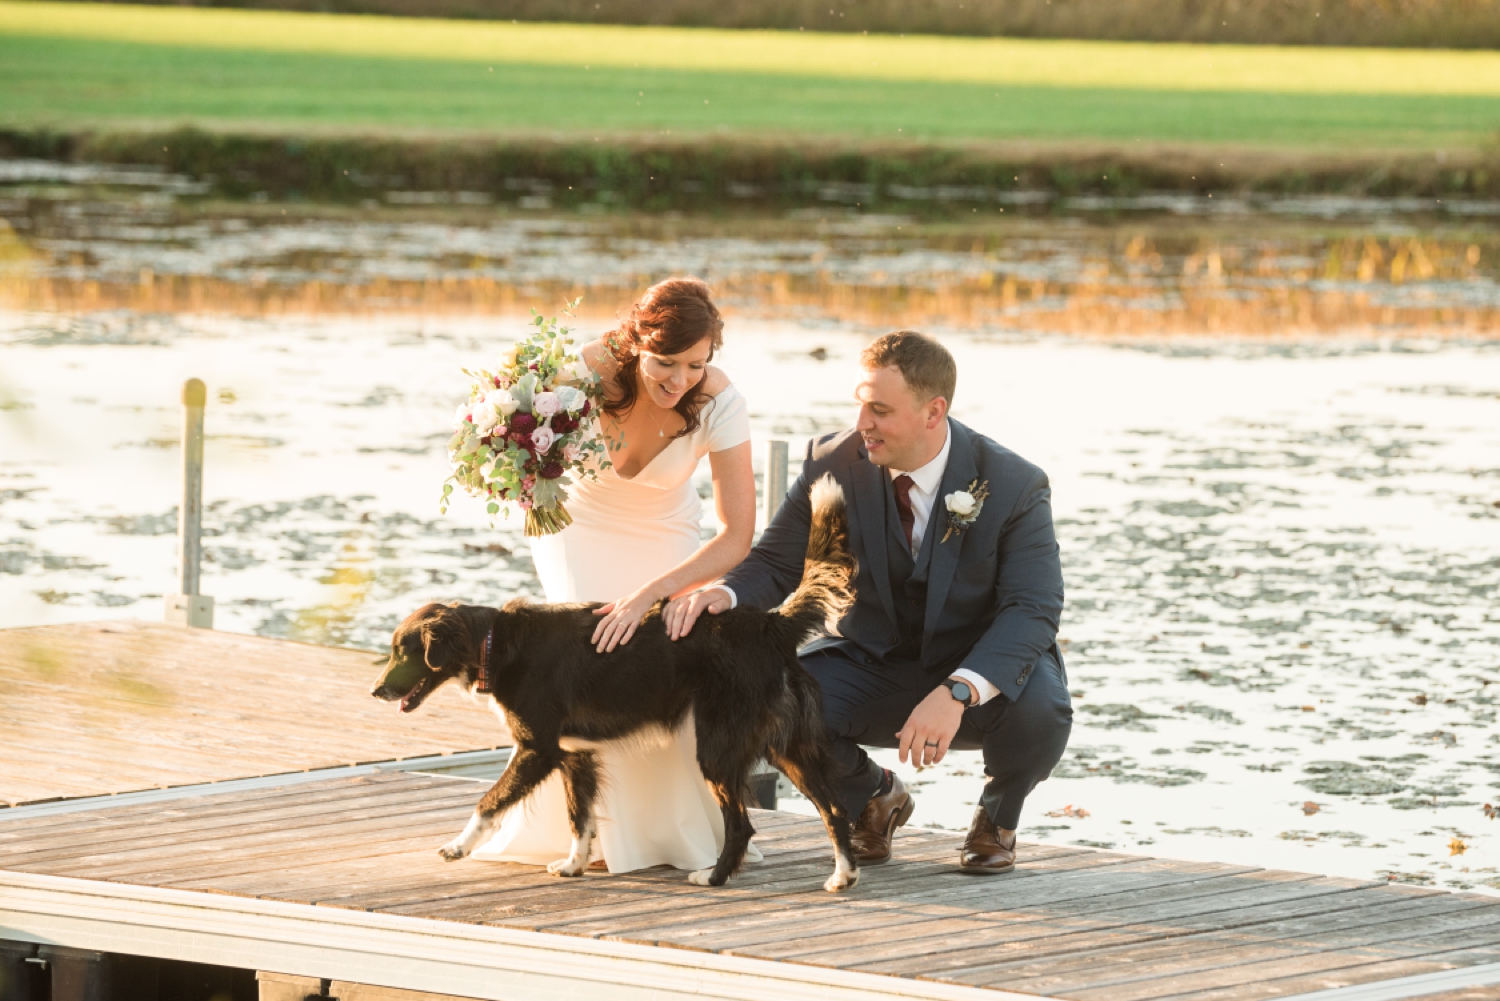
(827, 587)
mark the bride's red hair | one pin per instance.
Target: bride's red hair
(671, 317)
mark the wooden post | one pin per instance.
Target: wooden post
(188, 607)
(775, 479)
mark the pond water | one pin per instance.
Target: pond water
(1282, 554)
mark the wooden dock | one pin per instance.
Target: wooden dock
(100, 708)
(334, 874)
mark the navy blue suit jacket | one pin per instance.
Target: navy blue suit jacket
(994, 592)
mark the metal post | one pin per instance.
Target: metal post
(776, 466)
(188, 607)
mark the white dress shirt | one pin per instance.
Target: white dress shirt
(923, 495)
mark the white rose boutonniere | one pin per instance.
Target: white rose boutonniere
(964, 507)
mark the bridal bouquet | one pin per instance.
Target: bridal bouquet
(525, 428)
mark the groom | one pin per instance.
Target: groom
(951, 642)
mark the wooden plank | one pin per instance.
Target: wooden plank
(99, 708)
(301, 821)
(269, 852)
(751, 888)
(1376, 972)
(393, 888)
(764, 931)
(372, 888)
(207, 801)
(1071, 946)
(653, 891)
(725, 930)
(1119, 915)
(1366, 973)
(615, 921)
(1039, 952)
(210, 813)
(1057, 947)
(1278, 950)
(1268, 980)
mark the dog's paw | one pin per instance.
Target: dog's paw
(702, 877)
(841, 881)
(567, 867)
(453, 851)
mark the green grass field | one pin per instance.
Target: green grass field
(74, 65)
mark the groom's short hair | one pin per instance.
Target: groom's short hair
(925, 364)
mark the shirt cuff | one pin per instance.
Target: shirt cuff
(986, 690)
(734, 602)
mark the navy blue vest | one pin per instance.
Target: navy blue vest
(908, 581)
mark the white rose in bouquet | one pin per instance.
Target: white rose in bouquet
(504, 403)
(460, 415)
(543, 438)
(484, 416)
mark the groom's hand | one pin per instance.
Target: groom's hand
(682, 612)
(931, 727)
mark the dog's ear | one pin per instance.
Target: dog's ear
(441, 636)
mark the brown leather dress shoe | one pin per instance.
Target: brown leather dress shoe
(878, 822)
(983, 853)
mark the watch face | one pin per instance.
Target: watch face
(961, 692)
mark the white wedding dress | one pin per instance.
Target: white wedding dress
(654, 808)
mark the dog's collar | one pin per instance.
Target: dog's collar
(483, 687)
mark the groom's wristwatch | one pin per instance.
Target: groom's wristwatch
(960, 690)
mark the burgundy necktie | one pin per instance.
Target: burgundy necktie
(903, 485)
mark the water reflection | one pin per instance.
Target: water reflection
(71, 249)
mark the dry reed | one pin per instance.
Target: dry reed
(1218, 292)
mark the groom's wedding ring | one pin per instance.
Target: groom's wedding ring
(932, 743)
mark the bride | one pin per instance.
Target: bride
(634, 541)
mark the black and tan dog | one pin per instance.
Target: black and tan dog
(737, 672)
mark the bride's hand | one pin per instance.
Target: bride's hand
(619, 619)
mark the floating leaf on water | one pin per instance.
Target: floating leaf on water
(1309, 808)
(1456, 846)
(1345, 778)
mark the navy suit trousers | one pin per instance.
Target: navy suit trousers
(866, 702)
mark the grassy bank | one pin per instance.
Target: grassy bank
(72, 66)
(1461, 24)
(726, 175)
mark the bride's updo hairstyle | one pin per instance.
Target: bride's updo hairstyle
(671, 317)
